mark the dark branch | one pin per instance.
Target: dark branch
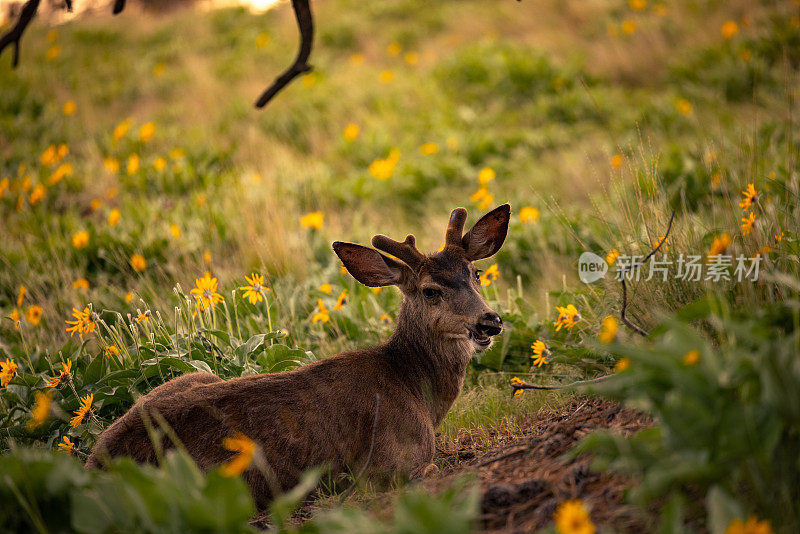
(627, 322)
(515, 387)
(305, 23)
(14, 35)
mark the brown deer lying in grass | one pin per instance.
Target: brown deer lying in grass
(324, 413)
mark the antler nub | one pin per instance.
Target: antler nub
(455, 227)
(406, 251)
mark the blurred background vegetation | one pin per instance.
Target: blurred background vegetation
(132, 159)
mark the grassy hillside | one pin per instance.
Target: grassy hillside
(132, 162)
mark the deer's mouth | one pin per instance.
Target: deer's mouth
(479, 339)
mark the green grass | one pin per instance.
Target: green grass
(545, 94)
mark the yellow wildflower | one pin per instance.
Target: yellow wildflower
(341, 300)
(486, 175)
(65, 169)
(428, 149)
(244, 448)
(49, 156)
(386, 318)
(159, 164)
(386, 76)
(51, 37)
(14, 316)
(121, 129)
(572, 518)
(83, 323)
(111, 164)
(412, 58)
(628, 26)
(175, 230)
(66, 445)
(138, 263)
(34, 314)
(177, 153)
(719, 245)
(7, 370)
(491, 274)
(96, 204)
(80, 239)
(128, 297)
(567, 317)
(64, 375)
(451, 142)
(322, 315)
(638, 5)
(612, 256)
(21, 295)
(41, 409)
(312, 220)
(540, 353)
(80, 413)
(143, 317)
(356, 59)
(394, 49)
(747, 223)
(113, 217)
(683, 106)
(749, 196)
(207, 256)
(37, 194)
(622, 365)
(255, 291)
(159, 69)
(529, 214)
(81, 283)
(691, 357)
(69, 107)
(351, 132)
(310, 79)
(751, 526)
(111, 350)
(262, 39)
(326, 288)
(5, 183)
(146, 131)
(206, 292)
(608, 332)
(53, 52)
(133, 164)
(729, 29)
(616, 160)
(383, 168)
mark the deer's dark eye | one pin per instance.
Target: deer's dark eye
(478, 274)
(430, 293)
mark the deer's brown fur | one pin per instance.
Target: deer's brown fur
(323, 413)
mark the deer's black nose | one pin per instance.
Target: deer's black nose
(490, 324)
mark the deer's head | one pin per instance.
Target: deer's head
(441, 290)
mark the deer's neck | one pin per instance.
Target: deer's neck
(433, 367)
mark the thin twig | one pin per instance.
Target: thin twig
(515, 387)
(305, 23)
(14, 35)
(627, 322)
(346, 493)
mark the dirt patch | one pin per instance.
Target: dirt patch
(524, 475)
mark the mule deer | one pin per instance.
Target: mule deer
(326, 412)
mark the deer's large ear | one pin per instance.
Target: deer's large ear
(488, 234)
(369, 266)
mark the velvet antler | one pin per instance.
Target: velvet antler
(455, 227)
(406, 251)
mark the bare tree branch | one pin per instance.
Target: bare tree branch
(305, 23)
(515, 387)
(632, 266)
(14, 35)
